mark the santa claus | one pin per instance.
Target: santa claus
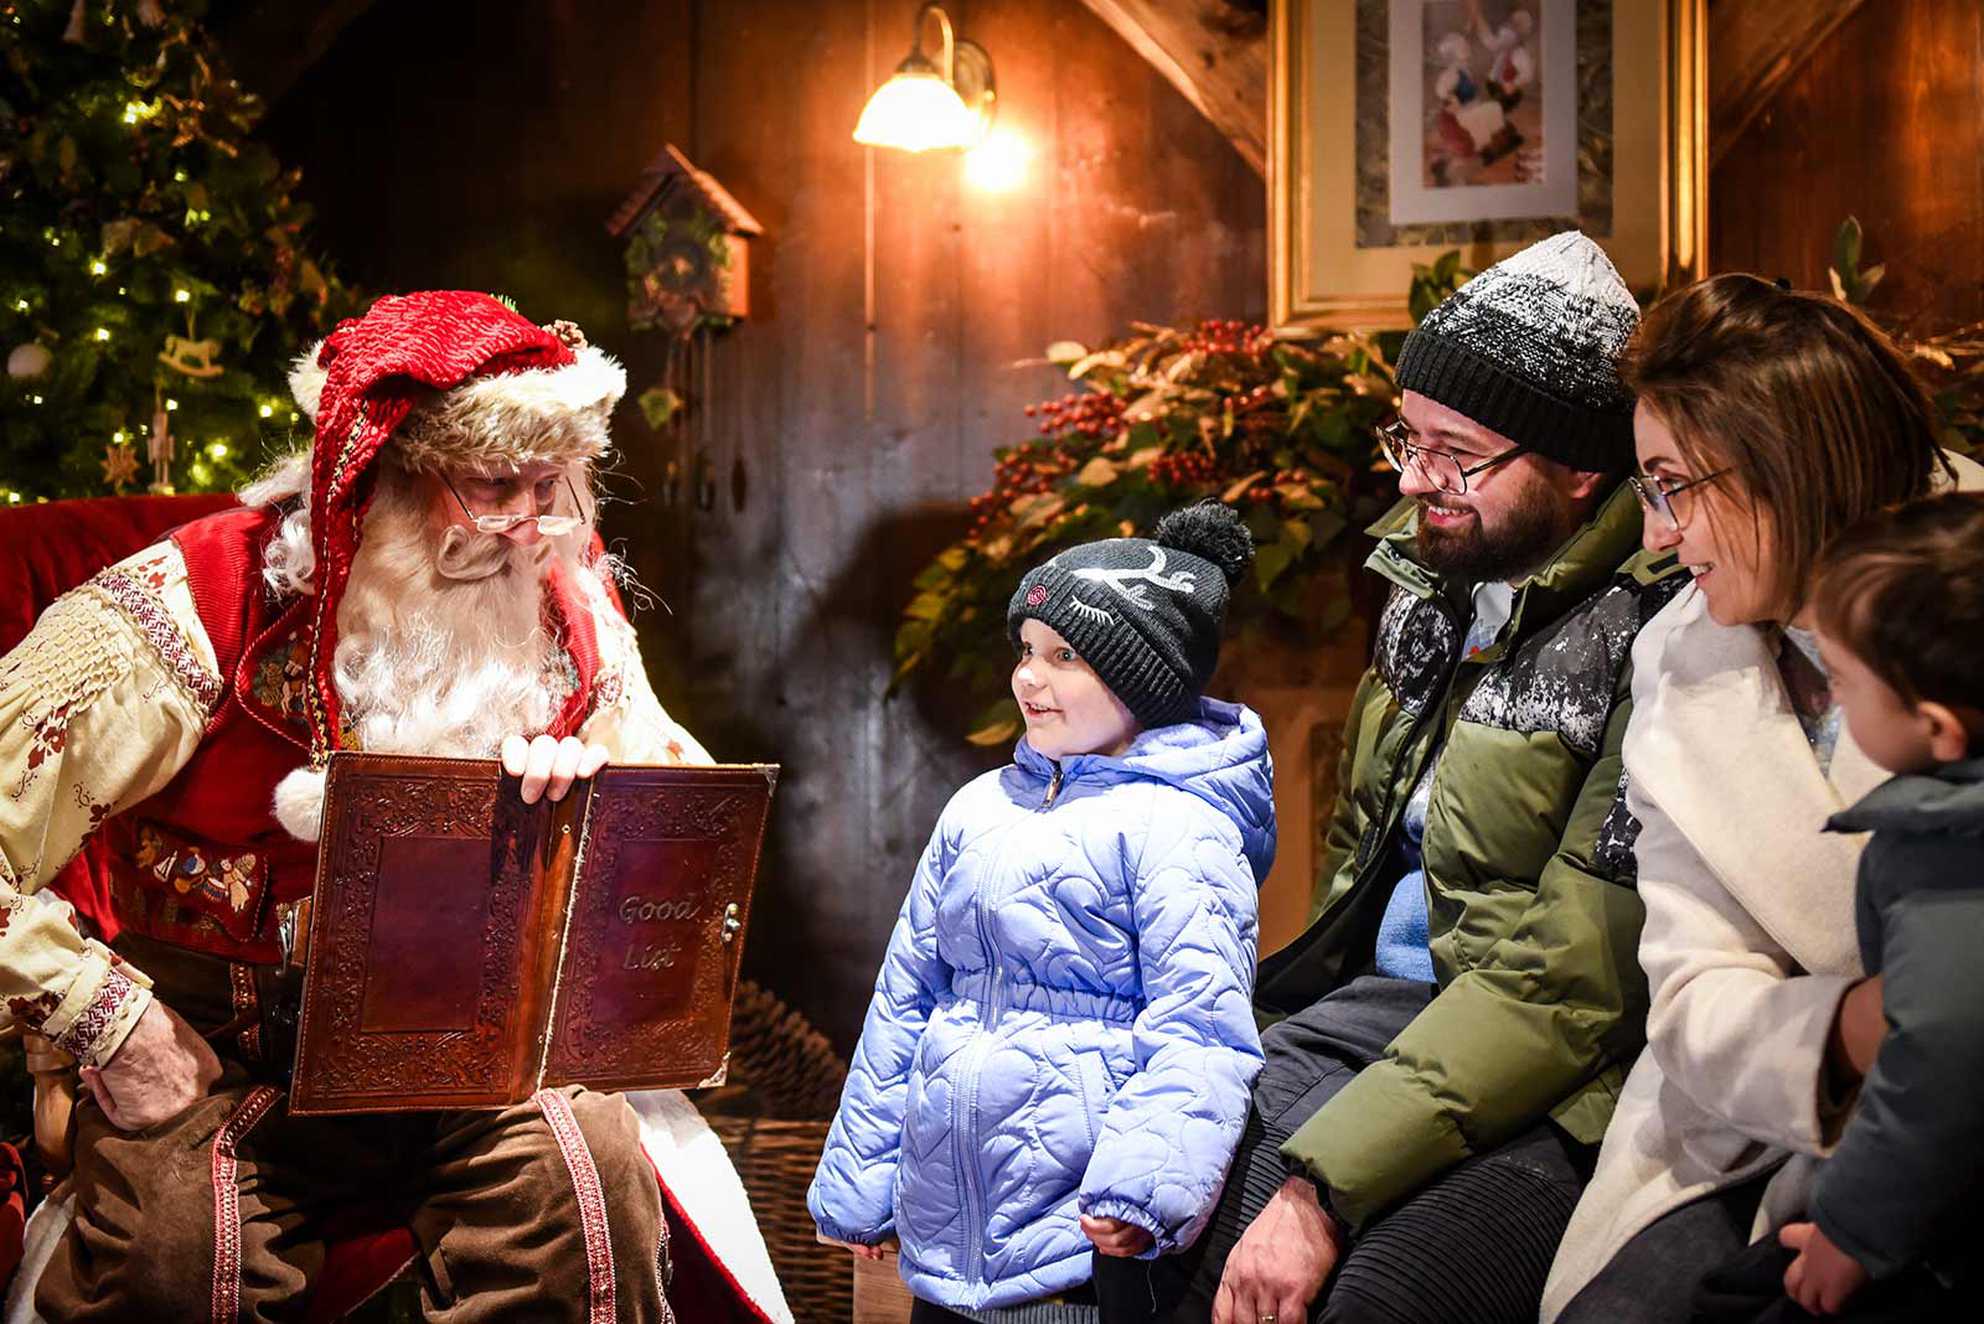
(423, 580)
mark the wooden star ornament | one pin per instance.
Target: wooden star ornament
(120, 467)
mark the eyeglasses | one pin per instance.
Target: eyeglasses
(551, 526)
(1442, 468)
(1660, 502)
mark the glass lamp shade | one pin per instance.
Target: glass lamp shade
(917, 111)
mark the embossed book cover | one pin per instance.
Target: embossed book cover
(467, 949)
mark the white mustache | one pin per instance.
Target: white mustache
(469, 554)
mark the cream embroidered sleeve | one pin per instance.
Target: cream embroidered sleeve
(100, 706)
(626, 716)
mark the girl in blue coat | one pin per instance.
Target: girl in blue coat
(1057, 1060)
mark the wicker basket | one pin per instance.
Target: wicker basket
(775, 1160)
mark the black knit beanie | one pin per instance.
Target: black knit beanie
(1146, 613)
(1530, 348)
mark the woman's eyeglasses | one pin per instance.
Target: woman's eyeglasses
(1442, 469)
(551, 526)
(1662, 501)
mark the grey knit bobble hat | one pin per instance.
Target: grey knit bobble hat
(1146, 613)
(1530, 348)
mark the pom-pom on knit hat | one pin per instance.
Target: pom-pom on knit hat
(1530, 348)
(1145, 613)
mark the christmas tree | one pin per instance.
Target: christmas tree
(154, 274)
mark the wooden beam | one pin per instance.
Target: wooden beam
(1754, 48)
(1214, 52)
(272, 46)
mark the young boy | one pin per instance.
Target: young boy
(1901, 628)
(1057, 1060)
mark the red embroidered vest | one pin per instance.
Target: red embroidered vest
(203, 863)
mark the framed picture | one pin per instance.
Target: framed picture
(1400, 129)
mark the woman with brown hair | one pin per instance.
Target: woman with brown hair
(1767, 422)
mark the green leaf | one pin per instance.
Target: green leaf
(1846, 249)
(1098, 472)
(1102, 358)
(928, 606)
(658, 405)
(1324, 526)
(1270, 561)
(996, 725)
(1238, 487)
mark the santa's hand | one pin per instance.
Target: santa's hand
(162, 1068)
(548, 767)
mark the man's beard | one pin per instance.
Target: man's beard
(1530, 530)
(441, 648)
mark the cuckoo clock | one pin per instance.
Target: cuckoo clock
(687, 249)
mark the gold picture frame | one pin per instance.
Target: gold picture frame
(1329, 268)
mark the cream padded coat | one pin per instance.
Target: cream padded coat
(1744, 895)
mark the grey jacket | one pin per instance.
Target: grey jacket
(1910, 1164)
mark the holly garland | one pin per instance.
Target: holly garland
(1280, 428)
(155, 273)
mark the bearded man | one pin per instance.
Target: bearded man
(420, 582)
(1466, 1001)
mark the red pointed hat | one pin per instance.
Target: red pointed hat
(446, 377)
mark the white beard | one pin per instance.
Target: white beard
(441, 651)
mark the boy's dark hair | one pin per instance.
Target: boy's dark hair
(1904, 590)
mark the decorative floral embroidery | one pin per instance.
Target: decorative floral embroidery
(557, 1110)
(561, 677)
(47, 734)
(223, 879)
(98, 810)
(150, 568)
(226, 1303)
(31, 1012)
(89, 1027)
(144, 609)
(282, 676)
(608, 688)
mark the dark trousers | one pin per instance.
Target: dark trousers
(1749, 1289)
(1471, 1247)
(1654, 1277)
(1119, 1289)
(548, 1211)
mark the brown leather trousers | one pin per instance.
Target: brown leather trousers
(545, 1211)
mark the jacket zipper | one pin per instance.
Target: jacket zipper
(968, 1124)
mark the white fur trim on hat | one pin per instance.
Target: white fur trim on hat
(299, 803)
(553, 415)
(306, 380)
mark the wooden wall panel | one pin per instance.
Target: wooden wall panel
(1886, 122)
(491, 144)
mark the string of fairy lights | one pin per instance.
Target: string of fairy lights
(154, 281)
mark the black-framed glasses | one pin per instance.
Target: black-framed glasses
(551, 526)
(1660, 501)
(1442, 468)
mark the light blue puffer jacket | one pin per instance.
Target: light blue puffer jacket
(1063, 1022)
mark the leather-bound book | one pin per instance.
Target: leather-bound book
(466, 949)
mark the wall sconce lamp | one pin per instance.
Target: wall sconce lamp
(924, 106)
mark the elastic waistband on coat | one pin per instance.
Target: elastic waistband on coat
(1014, 994)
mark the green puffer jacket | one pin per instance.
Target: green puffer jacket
(1534, 919)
